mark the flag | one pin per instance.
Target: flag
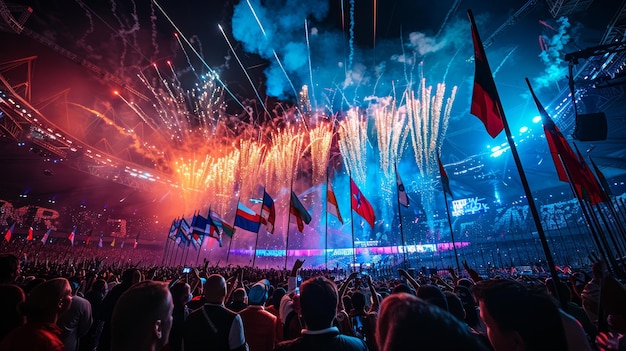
(564, 159)
(198, 229)
(268, 212)
(183, 233)
(332, 206)
(486, 103)
(214, 231)
(100, 242)
(173, 228)
(122, 244)
(403, 198)
(360, 204)
(247, 219)
(445, 182)
(72, 235)
(602, 179)
(113, 243)
(297, 209)
(135, 244)
(88, 237)
(227, 229)
(7, 236)
(593, 187)
(46, 235)
(30, 234)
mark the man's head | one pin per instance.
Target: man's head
(9, 268)
(518, 318)
(318, 302)
(259, 292)
(46, 301)
(181, 293)
(215, 289)
(142, 317)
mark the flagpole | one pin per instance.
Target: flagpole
(326, 224)
(529, 196)
(256, 242)
(406, 263)
(230, 243)
(352, 226)
(199, 250)
(288, 222)
(456, 256)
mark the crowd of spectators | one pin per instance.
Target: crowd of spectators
(98, 306)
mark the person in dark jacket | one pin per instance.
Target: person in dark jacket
(318, 301)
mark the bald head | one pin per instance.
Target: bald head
(215, 289)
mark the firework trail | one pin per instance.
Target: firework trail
(321, 139)
(353, 143)
(503, 61)
(428, 121)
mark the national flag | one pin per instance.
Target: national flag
(602, 179)
(183, 233)
(9, 232)
(214, 231)
(445, 182)
(403, 198)
(44, 239)
(72, 235)
(227, 229)
(173, 228)
(332, 206)
(247, 219)
(30, 234)
(268, 212)
(360, 204)
(486, 103)
(198, 229)
(564, 159)
(113, 243)
(297, 209)
(100, 242)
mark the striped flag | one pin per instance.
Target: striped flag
(486, 103)
(247, 219)
(268, 212)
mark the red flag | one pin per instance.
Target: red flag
(445, 182)
(72, 235)
(564, 158)
(88, 240)
(593, 187)
(30, 234)
(7, 236)
(360, 204)
(486, 103)
(332, 206)
(602, 179)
